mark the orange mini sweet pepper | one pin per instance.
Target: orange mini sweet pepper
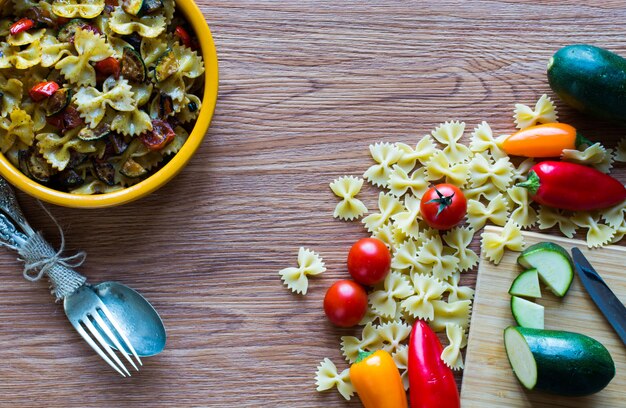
(547, 140)
(377, 380)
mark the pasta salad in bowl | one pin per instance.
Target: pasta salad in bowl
(102, 101)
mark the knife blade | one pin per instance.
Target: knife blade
(610, 306)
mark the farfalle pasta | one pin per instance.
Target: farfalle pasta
(497, 211)
(459, 239)
(427, 291)
(493, 243)
(549, 217)
(388, 205)
(408, 221)
(400, 182)
(423, 151)
(347, 188)
(327, 377)
(385, 155)
(451, 354)
(522, 214)
(90, 81)
(440, 167)
(543, 112)
(482, 140)
(395, 287)
(449, 134)
(597, 234)
(595, 155)
(309, 264)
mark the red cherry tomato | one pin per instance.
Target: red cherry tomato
(369, 261)
(345, 303)
(443, 206)
(20, 25)
(161, 134)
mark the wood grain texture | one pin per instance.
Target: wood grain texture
(490, 382)
(305, 87)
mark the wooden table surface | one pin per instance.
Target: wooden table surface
(305, 87)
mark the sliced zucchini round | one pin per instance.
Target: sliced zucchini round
(526, 284)
(150, 6)
(69, 179)
(133, 67)
(67, 32)
(132, 169)
(58, 101)
(553, 264)
(38, 167)
(166, 66)
(527, 313)
(104, 171)
(102, 130)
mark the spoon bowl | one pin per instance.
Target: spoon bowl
(135, 316)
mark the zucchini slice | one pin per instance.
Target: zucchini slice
(38, 167)
(166, 66)
(132, 66)
(132, 169)
(132, 7)
(527, 313)
(553, 264)
(526, 284)
(104, 171)
(558, 362)
(58, 101)
(69, 179)
(67, 32)
(102, 130)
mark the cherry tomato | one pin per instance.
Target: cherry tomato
(20, 25)
(443, 206)
(43, 90)
(369, 261)
(108, 66)
(161, 134)
(345, 303)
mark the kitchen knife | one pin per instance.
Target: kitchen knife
(603, 297)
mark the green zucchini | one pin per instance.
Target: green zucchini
(141, 7)
(104, 171)
(558, 362)
(69, 179)
(527, 313)
(526, 284)
(102, 130)
(58, 101)
(132, 66)
(38, 167)
(166, 65)
(590, 79)
(67, 32)
(553, 264)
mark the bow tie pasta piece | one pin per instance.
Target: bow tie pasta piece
(346, 188)
(409, 221)
(92, 103)
(482, 140)
(493, 243)
(37, 113)
(423, 151)
(26, 37)
(309, 264)
(597, 234)
(620, 232)
(497, 211)
(523, 214)
(147, 26)
(614, 216)
(190, 109)
(134, 122)
(12, 91)
(450, 313)
(457, 339)
(449, 134)
(52, 50)
(400, 182)
(152, 48)
(459, 239)
(18, 126)
(520, 172)
(189, 63)
(456, 292)
(388, 206)
(385, 155)
(433, 258)
(392, 334)
(485, 192)
(177, 143)
(327, 377)
(391, 236)
(396, 287)
(440, 167)
(405, 257)
(427, 291)
(78, 8)
(484, 170)
(544, 112)
(90, 48)
(549, 217)
(620, 156)
(595, 155)
(18, 58)
(57, 149)
(370, 340)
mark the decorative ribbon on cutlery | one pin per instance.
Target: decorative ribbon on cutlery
(40, 258)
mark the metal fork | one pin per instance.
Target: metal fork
(93, 321)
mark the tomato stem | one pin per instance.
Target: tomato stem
(532, 183)
(443, 201)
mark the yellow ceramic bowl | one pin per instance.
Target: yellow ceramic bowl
(195, 18)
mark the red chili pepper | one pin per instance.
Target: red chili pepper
(108, 66)
(43, 90)
(20, 25)
(184, 36)
(572, 186)
(161, 134)
(431, 381)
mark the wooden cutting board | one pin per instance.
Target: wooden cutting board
(488, 379)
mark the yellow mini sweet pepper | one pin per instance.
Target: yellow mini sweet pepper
(377, 380)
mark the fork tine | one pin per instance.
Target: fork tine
(113, 323)
(103, 343)
(94, 346)
(105, 327)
